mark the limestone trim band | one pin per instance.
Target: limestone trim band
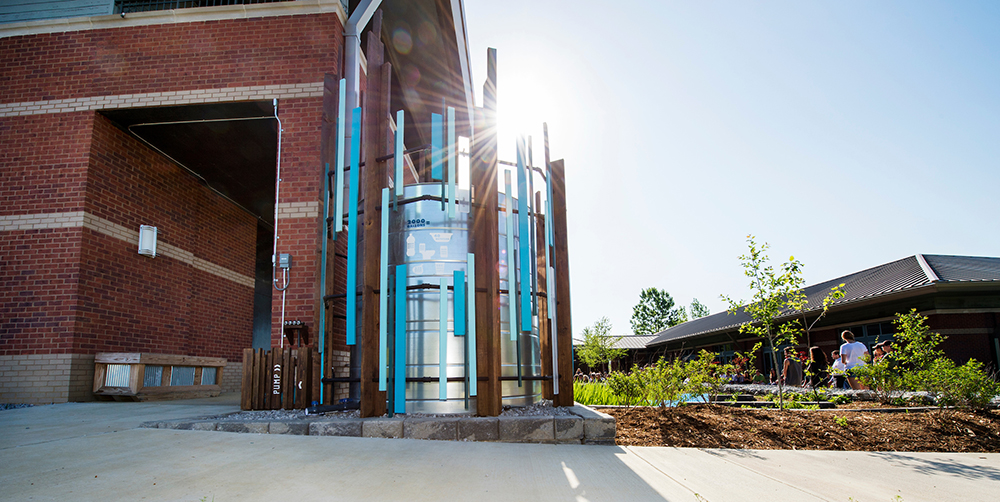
(251, 93)
(40, 221)
(288, 210)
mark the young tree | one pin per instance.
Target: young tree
(698, 309)
(598, 346)
(775, 293)
(655, 312)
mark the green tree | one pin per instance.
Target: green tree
(776, 293)
(698, 309)
(655, 312)
(598, 346)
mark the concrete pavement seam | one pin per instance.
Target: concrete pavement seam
(671, 478)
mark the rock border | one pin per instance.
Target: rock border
(585, 425)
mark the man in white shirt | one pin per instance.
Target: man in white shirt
(851, 353)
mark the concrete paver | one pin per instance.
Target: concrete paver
(94, 451)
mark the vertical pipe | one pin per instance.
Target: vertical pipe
(471, 338)
(399, 374)
(524, 238)
(322, 272)
(459, 302)
(341, 132)
(353, 228)
(443, 340)
(436, 147)
(398, 179)
(383, 292)
(451, 162)
(511, 278)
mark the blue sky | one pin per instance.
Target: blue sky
(847, 134)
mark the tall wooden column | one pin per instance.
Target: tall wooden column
(485, 234)
(374, 177)
(560, 259)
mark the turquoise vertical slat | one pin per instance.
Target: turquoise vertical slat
(341, 134)
(471, 357)
(550, 279)
(398, 154)
(451, 163)
(399, 373)
(524, 253)
(353, 228)
(511, 265)
(383, 293)
(443, 341)
(459, 302)
(436, 171)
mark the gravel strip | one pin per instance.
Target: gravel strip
(14, 406)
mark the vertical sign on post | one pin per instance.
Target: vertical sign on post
(511, 274)
(353, 228)
(436, 174)
(524, 239)
(383, 293)
(451, 162)
(473, 374)
(341, 133)
(399, 372)
(443, 341)
(398, 154)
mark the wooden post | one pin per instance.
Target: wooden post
(485, 235)
(246, 384)
(544, 342)
(560, 259)
(373, 178)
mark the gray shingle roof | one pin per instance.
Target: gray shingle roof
(892, 277)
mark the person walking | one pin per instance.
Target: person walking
(791, 374)
(818, 368)
(851, 354)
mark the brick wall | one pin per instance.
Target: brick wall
(170, 57)
(46, 378)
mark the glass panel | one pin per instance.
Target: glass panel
(118, 375)
(208, 375)
(153, 377)
(182, 375)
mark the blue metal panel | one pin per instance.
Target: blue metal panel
(459, 302)
(524, 239)
(353, 228)
(12, 11)
(383, 293)
(338, 193)
(471, 340)
(399, 373)
(443, 341)
(436, 148)
(511, 265)
(398, 179)
(451, 163)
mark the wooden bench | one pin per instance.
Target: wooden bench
(140, 377)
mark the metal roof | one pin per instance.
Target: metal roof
(889, 278)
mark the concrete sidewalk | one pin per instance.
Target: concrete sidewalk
(94, 451)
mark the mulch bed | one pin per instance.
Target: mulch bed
(714, 426)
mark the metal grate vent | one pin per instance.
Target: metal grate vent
(181, 375)
(208, 375)
(153, 376)
(118, 375)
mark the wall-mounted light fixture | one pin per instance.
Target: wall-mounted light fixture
(147, 240)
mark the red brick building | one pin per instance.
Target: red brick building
(166, 118)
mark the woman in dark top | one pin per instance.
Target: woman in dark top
(818, 368)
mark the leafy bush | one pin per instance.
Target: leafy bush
(628, 388)
(967, 386)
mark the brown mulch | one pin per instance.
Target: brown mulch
(714, 426)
